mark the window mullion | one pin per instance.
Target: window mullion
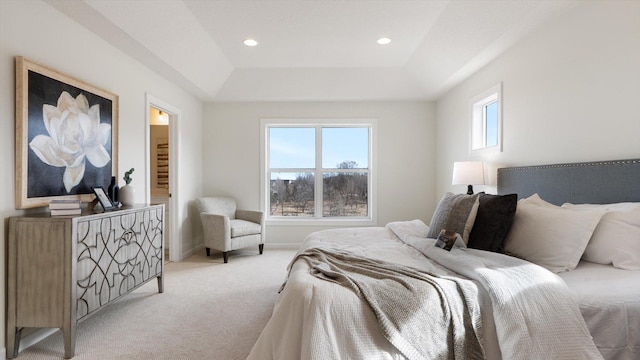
(318, 196)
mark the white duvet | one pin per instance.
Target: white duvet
(527, 312)
(609, 301)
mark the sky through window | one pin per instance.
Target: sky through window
(294, 147)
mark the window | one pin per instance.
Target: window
(486, 121)
(318, 171)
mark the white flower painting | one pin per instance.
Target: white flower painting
(66, 136)
(75, 135)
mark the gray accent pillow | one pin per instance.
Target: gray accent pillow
(455, 212)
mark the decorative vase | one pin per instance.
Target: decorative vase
(127, 195)
(113, 190)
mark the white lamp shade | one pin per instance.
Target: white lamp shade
(468, 173)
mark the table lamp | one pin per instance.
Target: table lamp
(468, 173)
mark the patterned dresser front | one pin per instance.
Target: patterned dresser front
(62, 269)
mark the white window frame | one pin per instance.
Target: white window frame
(370, 220)
(478, 124)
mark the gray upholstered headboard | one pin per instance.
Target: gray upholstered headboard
(600, 182)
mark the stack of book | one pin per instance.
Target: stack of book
(64, 207)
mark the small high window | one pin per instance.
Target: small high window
(486, 121)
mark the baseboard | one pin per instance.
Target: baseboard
(186, 254)
(282, 246)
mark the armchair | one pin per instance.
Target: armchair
(226, 228)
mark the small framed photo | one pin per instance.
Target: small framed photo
(103, 198)
(446, 239)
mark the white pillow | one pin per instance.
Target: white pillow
(623, 206)
(535, 199)
(616, 239)
(549, 235)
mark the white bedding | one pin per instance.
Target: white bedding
(609, 299)
(316, 319)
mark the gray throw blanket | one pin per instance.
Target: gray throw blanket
(424, 316)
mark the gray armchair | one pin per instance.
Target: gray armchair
(226, 228)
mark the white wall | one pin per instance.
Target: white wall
(571, 92)
(37, 31)
(406, 155)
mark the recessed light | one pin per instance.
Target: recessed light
(384, 41)
(250, 42)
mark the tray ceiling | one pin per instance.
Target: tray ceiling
(313, 50)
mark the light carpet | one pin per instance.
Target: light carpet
(209, 310)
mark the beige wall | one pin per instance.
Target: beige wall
(405, 162)
(37, 31)
(571, 92)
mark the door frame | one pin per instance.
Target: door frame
(175, 239)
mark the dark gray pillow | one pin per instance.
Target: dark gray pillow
(493, 221)
(455, 212)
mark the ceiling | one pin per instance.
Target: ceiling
(313, 50)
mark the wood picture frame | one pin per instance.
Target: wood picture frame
(66, 136)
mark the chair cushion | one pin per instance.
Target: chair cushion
(243, 228)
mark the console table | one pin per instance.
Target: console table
(63, 269)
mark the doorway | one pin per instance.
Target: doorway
(159, 166)
(162, 152)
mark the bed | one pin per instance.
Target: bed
(390, 293)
